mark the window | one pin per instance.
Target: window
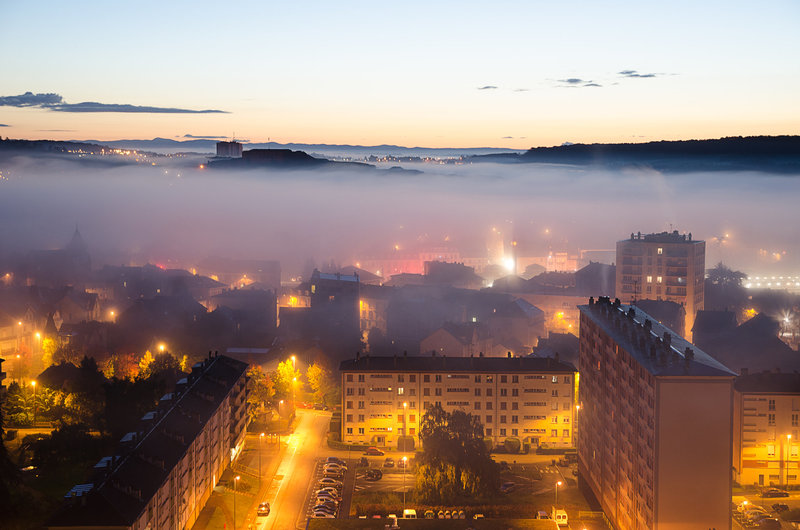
(514, 419)
(426, 404)
(412, 431)
(566, 379)
(488, 405)
(477, 405)
(658, 279)
(553, 419)
(502, 432)
(477, 391)
(554, 406)
(555, 379)
(426, 391)
(488, 392)
(349, 378)
(514, 432)
(412, 378)
(770, 450)
(401, 391)
(490, 379)
(350, 391)
(554, 433)
(412, 391)
(565, 433)
(361, 378)
(554, 393)
(771, 420)
(361, 404)
(503, 379)
(438, 378)
(502, 405)
(361, 430)
(503, 392)
(649, 279)
(515, 379)
(514, 405)
(771, 404)
(361, 418)
(502, 419)
(400, 418)
(794, 420)
(412, 404)
(660, 251)
(489, 419)
(349, 405)
(349, 430)
(566, 406)
(361, 391)
(401, 378)
(437, 391)
(477, 379)
(426, 378)
(488, 432)
(515, 392)
(401, 431)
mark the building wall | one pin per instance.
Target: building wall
(533, 407)
(766, 443)
(694, 428)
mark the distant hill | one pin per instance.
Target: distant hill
(167, 145)
(774, 154)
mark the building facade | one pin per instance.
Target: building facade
(766, 429)
(665, 266)
(164, 472)
(656, 423)
(527, 398)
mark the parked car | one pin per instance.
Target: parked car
(429, 514)
(440, 515)
(319, 406)
(325, 505)
(374, 474)
(329, 482)
(769, 522)
(335, 460)
(774, 492)
(780, 507)
(364, 462)
(331, 489)
(329, 494)
(389, 462)
(333, 466)
(403, 463)
(478, 516)
(507, 487)
(323, 515)
(461, 514)
(373, 451)
(263, 508)
(447, 514)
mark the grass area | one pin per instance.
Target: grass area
(435, 524)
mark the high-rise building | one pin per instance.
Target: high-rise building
(766, 428)
(654, 444)
(665, 266)
(232, 149)
(530, 399)
(164, 471)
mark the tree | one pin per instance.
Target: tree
(321, 382)
(724, 290)
(284, 378)
(725, 276)
(144, 364)
(455, 461)
(49, 348)
(260, 390)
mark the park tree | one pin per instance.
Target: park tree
(455, 461)
(323, 386)
(284, 378)
(724, 290)
(260, 390)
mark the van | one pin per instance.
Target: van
(559, 516)
(409, 514)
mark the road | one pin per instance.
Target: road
(287, 493)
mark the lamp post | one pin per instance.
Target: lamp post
(235, 481)
(405, 465)
(294, 394)
(33, 384)
(557, 485)
(260, 450)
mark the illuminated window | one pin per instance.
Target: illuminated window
(555, 379)
(313, 288)
(649, 279)
(412, 417)
(660, 250)
(401, 391)
(658, 279)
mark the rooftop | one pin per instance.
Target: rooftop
(664, 237)
(769, 383)
(441, 363)
(654, 346)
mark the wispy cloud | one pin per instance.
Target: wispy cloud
(202, 137)
(635, 73)
(4, 125)
(572, 81)
(487, 87)
(56, 130)
(522, 90)
(513, 137)
(576, 82)
(55, 102)
(592, 84)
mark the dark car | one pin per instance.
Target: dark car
(507, 487)
(364, 462)
(374, 474)
(774, 492)
(769, 522)
(373, 451)
(389, 462)
(780, 507)
(263, 508)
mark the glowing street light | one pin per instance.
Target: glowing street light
(559, 483)
(235, 481)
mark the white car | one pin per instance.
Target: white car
(323, 515)
(329, 482)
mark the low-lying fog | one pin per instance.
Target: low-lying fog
(177, 212)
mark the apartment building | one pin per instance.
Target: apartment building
(654, 445)
(527, 398)
(163, 472)
(766, 425)
(664, 266)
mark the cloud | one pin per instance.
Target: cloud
(576, 82)
(573, 81)
(592, 84)
(202, 137)
(56, 130)
(508, 138)
(634, 73)
(521, 89)
(487, 87)
(4, 125)
(56, 103)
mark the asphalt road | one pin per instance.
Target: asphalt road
(287, 493)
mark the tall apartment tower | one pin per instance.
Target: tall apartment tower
(232, 149)
(665, 266)
(654, 444)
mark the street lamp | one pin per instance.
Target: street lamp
(235, 481)
(405, 465)
(557, 485)
(162, 347)
(294, 395)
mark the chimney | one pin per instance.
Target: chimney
(667, 339)
(689, 353)
(509, 355)
(358, 355)
(591, 301)
(480, 354)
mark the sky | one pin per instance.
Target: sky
(432, 74)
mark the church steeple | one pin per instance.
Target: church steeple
(77, 244)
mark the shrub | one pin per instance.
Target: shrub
(512, 445)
